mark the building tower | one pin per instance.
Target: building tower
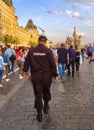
(30, 24)
(75, 36)
(80, 40)
(32, 29)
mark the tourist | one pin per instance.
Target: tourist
(72, 54)
(77, 58)
(9, 51)
(20, 61)
(12, 60)
(1, 69)
(83, 54)
(41, 61)
(62, 54)
(54, 52)
(7, 64)
(90, 52)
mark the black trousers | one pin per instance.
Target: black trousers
(77, 61)
(41, 85)
(72, 64)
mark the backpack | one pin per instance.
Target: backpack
(12, 58)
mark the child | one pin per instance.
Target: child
(1, 70)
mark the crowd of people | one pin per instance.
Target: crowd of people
(11, 58)
(42, 63)
(65, 58)
(69, 58)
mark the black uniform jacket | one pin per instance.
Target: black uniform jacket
(40, 59)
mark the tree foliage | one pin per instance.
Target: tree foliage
(31, 43)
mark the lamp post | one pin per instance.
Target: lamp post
(41, 30)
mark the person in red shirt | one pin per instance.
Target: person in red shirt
(20, 61)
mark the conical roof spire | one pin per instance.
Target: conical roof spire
(30, 24)
(74, 33)
(8, 2)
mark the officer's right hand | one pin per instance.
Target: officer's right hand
(55, 78)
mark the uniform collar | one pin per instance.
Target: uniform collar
(41, 45)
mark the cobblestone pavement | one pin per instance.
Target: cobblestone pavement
(71, 107)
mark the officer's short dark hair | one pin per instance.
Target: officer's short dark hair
(42, 38)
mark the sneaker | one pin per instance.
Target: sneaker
(62, 80)
(68, 74)
(20, 77)
(1, 85)
(7, 80)
(66, 71)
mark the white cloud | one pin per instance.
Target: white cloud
(69, 13)
(81, 33)
(55, 12)
(92, 18)
(73, 14)
(85, 2)
(89, 22)
(87, 7)
(73, 5)
(37, 19)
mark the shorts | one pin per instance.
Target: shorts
(89, 54)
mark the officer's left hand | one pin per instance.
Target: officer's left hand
(25, 74)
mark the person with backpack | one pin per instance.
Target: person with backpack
(1, 70)
(12, 60)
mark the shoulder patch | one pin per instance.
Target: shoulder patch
(39, 54)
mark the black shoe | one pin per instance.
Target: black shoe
(68, 74)
(77, 69)
(46, 108)
(39, 116)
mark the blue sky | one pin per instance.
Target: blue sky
(58, 17)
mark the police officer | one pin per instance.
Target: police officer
(43, 68)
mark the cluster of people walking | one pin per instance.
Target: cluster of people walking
(11, 58)
(44, 64)
(67, 59)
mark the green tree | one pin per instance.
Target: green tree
(15, 41)
(31, 43)
(1, 38)
(9, 39)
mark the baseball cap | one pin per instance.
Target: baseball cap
(42, 38)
